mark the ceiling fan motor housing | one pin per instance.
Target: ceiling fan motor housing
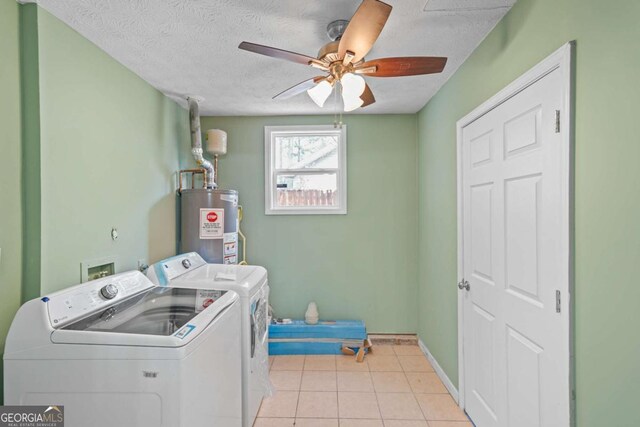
(329, 51)
(335, 29)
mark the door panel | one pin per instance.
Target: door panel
(481, 150)
(522, 132)
(512, 216)
(484, 327)
(522, 205)
(523, 388)
(481, 230)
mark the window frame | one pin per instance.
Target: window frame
(271, 173)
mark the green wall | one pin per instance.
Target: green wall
(86, 146)
(109, 151)
(607, 178)
(359, 266)
(10, 158)
(31, 174)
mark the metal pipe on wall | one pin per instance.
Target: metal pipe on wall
(196, 144)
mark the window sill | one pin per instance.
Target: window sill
(302, 211)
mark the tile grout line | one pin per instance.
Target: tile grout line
(337, 394)
(295, 415)
(377, 401)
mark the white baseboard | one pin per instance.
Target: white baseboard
(439, 371)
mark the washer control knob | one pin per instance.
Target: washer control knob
(109, 291)
(186, 263)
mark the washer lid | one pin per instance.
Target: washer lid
(190, 270)
(157, 317)
(243, 279)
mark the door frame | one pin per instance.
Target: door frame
(562, 60)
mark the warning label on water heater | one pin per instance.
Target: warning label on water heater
(211, 223)
(230, 248)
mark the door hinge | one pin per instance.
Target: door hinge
(557, 121)
(558, 302)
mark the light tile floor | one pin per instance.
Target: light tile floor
(394, 387)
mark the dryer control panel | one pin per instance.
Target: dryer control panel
(82, 300)
(167, 270)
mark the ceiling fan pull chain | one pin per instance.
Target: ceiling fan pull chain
(337, 102)
(335, 106)
(337, 122)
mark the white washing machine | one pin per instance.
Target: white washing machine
(250, 282)
(121, 351)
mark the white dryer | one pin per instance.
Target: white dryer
(121, 351)
(250, 282)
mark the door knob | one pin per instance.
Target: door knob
(463, 284)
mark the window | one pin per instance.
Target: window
(305, 170)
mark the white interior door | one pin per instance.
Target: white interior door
(515, 336)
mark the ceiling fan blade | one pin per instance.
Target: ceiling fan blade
(367, 96)
(403, 66)
(363, 29)
(278, 53)
(299, 88)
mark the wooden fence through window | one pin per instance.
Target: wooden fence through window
(306, 197)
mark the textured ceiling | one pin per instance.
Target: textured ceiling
(191, 46)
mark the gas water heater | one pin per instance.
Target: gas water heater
(208, 215)
(209, 224)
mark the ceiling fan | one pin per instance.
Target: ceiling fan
(343, 59)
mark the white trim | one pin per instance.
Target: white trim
(453, 391)
(460, 265)
(561, 59)
(270, 173)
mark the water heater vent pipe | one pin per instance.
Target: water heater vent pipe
(196, 143)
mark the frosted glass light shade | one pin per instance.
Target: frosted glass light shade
(216, 142)
(352, 88)
(352, 84)
(320, 92)
(351, 103)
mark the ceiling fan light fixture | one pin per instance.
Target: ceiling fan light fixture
(352, 85)
(320, 92)
(351, 104)
(352, 88)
